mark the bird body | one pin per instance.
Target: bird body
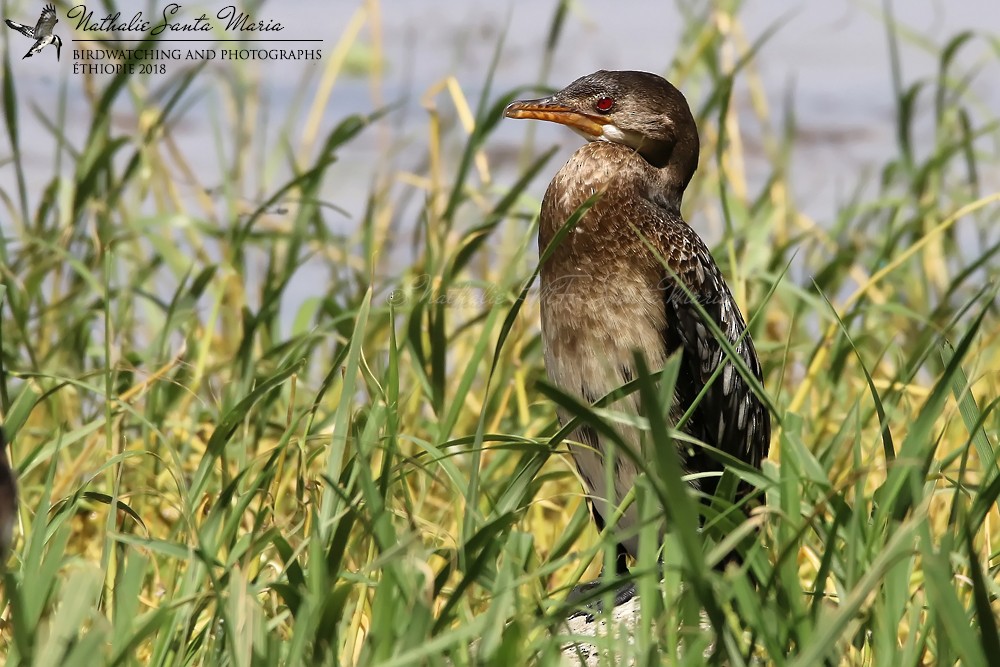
(612, 285)
(600, 302)
(41, 33)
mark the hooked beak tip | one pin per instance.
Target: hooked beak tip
(546, 109)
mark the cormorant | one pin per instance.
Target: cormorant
(606, 293)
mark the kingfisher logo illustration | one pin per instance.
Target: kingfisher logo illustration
(41, 33)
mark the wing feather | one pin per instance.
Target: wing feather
(25, 30)
(729, 416)
(46, 21)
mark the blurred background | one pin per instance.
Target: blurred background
(828, 63)
(277, 314)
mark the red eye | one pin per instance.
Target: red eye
(604, 104)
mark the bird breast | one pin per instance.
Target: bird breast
(602, 297)
(601, 288)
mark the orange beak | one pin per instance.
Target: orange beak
(546, 109)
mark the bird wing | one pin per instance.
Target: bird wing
(25, 30)
(46, 21)
(729, 416)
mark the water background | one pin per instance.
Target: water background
(830, 59)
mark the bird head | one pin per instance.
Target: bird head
(636, 109)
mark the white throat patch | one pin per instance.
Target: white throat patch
(615, 135)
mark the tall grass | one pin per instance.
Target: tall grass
(380, 478)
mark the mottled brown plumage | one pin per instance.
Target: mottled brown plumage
(606, 294)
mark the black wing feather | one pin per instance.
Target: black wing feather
(46, 21)
(729, 416)
(25, 30)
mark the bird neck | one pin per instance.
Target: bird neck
(667, 193)
(675, 165)
(666, 187)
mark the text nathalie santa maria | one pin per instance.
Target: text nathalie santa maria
(169, 20)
